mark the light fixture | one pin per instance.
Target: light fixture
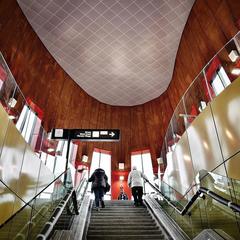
(159, 160)
(233, 55)
(50, 150)
(121, 166)
(11, 117)
(121, 178)
(12, 102)
(84, 158)
(236, 71)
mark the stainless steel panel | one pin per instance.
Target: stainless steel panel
(226, 112)
(28, 178)
(233, 167)
(182, 174)
(12, 157)
(4, 124)
(179, 174)
(204, 145)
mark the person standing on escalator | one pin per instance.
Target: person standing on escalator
(99, 183)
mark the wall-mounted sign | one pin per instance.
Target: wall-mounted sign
(87, 134)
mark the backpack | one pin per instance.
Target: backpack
(107, 188)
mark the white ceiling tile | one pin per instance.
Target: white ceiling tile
(121, 52)
(52, 7)
(68, 7)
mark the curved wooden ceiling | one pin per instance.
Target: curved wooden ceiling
(120, 52)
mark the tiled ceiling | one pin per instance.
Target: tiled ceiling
(121, 52)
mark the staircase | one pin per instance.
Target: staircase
(121, 220)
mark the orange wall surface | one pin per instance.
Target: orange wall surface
(210, 25)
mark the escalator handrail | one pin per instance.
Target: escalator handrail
(206, 191)
(165, 198)
(47, 229)
(28, 203)
(186, 193)
(220, 199)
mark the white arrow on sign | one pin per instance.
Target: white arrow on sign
(112, 134)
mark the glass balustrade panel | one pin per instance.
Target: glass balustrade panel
(226, 118)
(4, 125)
(195, 99)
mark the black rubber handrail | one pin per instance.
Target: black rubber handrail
(216, 197)
(235, 207)
(48, 227)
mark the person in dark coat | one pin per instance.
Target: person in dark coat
(99, 181)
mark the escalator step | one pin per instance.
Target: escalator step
(62, 235)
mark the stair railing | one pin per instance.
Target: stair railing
(71, 195)
(47, 229)
(233, 206)
(28, 203)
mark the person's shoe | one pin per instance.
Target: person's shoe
(136, 204)
(103, 205)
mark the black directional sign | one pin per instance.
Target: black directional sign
(87, 134)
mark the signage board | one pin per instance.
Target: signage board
(95, 135)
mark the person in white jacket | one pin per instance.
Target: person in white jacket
(135, 182)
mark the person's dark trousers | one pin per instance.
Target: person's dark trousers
(137, 193)
(99, 193)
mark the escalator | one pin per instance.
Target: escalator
(41, 213)
(70, 214)
(201, 208)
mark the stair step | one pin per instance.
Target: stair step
(126, 227)
(133, 215)
(121, 207)
(123, 224)
(125, 237)
(124, 231)
(121, 210)
(121, 220)
(62, 235)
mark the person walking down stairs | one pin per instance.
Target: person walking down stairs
(99, 183)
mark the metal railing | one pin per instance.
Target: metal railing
(233, 206)
(46, 231)
(28, 203)
(73, 195)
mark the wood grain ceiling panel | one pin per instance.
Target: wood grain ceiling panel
(65, 104)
